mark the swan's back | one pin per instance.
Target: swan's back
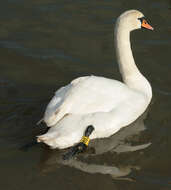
(85, 95)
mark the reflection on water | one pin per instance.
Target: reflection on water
(117, 143)
(43, 45)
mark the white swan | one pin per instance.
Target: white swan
(106, 104)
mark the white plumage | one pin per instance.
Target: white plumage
(105, 103)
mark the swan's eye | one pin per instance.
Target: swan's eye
(144, 21)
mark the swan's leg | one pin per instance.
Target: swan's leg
(81, 146)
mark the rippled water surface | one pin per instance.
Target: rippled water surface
(46, 43)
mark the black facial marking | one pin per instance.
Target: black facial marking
(141, 19)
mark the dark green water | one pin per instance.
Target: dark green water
(46, 43)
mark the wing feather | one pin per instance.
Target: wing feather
(56, 108)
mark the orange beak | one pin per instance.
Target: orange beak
(145, 24)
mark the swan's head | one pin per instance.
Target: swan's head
(133, 20)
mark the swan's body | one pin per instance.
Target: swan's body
(106, 104)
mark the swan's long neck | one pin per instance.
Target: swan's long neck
(128, 69)
(124, 54)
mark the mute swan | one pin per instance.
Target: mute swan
(106, 104)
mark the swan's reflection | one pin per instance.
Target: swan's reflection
(50, 159)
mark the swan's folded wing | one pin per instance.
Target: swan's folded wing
(85, 95)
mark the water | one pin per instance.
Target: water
(45, 44)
